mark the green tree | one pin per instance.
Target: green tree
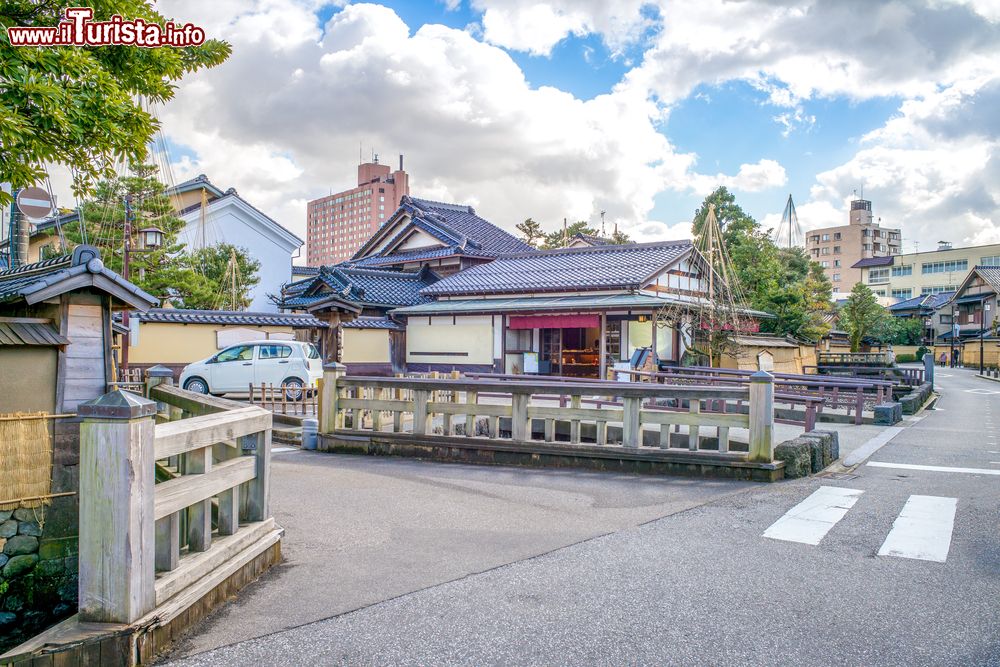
(899, 331)
(861, 315)
(166, 271)
(560, 237)
(783, 282)
(620, 238)
(230, 271)
(531, 232)
(84, 107)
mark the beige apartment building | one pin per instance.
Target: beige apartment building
(838, 249)
(338, 224)
(930, 272)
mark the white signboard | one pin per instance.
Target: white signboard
(530, 362)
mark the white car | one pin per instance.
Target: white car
(291, 363)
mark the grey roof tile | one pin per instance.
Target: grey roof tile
(568, 269)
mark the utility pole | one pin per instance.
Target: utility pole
(126, 251)
(982, 330)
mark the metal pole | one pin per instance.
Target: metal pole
(126, 251)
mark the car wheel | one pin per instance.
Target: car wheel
(197, 385)
(293, 389)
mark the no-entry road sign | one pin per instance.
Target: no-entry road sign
(34, 203)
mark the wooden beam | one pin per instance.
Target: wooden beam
(177, 494)
(174, 438)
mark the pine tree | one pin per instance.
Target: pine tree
(861, 315)
(531, 232)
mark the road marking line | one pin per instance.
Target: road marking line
(810, 521)
(275, 450)
(922, 530)
(910, 466)
(872, 446)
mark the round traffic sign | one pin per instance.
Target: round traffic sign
(34, 202)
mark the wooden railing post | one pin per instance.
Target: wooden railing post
(762, 417)
(258, 489)
(158, 375)
(117, 531)
(329, 417)
(520, 424)
(631, 429)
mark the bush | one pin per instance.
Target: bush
(905, 358)
(921, 351)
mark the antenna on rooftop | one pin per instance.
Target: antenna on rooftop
(602, 222)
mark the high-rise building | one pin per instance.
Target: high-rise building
(838, 249)
(338, 224)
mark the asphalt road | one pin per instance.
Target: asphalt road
(706, 587)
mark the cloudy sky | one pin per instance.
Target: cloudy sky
(564, 108)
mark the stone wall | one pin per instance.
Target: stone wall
(38, 575)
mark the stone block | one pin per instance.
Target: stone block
(910, 403)
(797, 455)
(819, 449)
(19, 565)
(20, 545)
(887, 414)
(7, 618)
(5, 514)
(24, 514)
(3, 559)
(29, 528)
(8, 528)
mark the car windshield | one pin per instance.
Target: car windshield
(311, 351)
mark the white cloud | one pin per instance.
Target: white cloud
(761, 175)
(536, 27)
(283, 119)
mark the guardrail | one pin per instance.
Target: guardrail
(899, 375)
(853, 396)
(347, 401)
(851, 358)
(811, 405)
(148, 546)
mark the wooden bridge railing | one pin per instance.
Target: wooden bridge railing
(346, 399)
(852, 358)
(897, 375)
(144, 544)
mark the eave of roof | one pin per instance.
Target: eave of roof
(229, 317)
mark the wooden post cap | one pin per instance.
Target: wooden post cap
(761, 376)
(334, 366)
(159, 371)
(117, 404)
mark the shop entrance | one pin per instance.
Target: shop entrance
(573, 352)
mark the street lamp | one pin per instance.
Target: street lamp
(151, 238)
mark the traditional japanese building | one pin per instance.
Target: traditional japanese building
(573, 311)
(445, 237)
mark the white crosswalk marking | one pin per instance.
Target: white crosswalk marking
(809, 521)
(922, 530)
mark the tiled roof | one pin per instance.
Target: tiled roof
(991, 274)
(457, 227)
(873, 261)
(603, 267)
(375, 287)
(373, 323)
(83, 268)
(22, 331)
(593, 239)
(299, 270)
(928, 301)
(229, 317)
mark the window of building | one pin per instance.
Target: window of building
(993, 260)
(826, 237)
(945, 318)
(866, 246)
(878, 276)
(903, 270)
(836, 236)
(878, 292)
(937, 289)
(824, 251)
(825, 264)
(836, 263)
(836, 277)
(945, 267)
(813, 239)
(836, 250)
(866, 233)
(902, 293)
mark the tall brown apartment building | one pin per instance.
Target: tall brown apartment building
(837, 249)
(337, 225)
